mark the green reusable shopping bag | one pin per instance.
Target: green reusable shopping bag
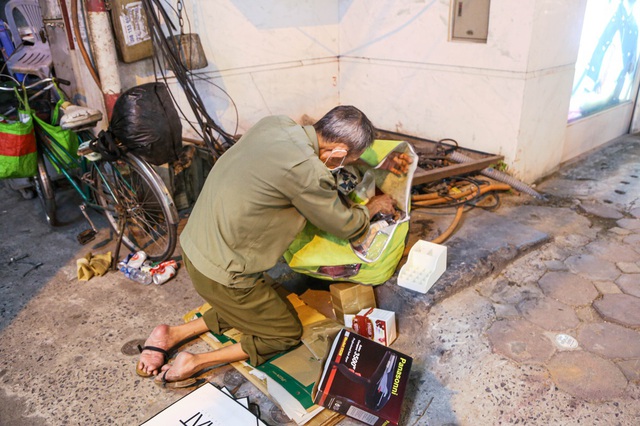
(325, 256)
(18, 156)
(64, 143)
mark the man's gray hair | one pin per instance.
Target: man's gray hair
(346, 124)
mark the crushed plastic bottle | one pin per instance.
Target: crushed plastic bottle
(137, 275)
(124, 261)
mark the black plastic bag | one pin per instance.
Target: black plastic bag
(145, 121)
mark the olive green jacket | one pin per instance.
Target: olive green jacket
(257, 198)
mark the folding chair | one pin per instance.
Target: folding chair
(28, 59)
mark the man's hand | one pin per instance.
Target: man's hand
(381, 204)
(397, 163)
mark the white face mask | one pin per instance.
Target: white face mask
(341, 163)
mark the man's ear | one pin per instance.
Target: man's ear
(340, 150)
(334, 149)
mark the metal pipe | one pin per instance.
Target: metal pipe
(83, 51)
(103, 47)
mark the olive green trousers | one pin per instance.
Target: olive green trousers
(268, 322)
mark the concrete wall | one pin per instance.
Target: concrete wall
(508, 96)
(394, 59)
(276, 57)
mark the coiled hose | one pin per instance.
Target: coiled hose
(499, 176)
(425, 200)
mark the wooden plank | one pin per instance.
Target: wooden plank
(426, 145)
(422, 176)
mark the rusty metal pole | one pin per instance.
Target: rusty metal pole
(103, 47)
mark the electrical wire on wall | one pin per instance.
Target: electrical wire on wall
(168, 51)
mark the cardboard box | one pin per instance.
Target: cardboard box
(351, 298)
(375, 324)
(364, 380)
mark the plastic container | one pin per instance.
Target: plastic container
(147, 266)
(137, 275)
(137, 260)
(365, 189)
(425, 264)
(7, 47)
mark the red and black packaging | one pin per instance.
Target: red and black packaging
(364, 380)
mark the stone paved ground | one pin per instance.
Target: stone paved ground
(554, 338)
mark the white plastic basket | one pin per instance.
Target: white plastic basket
(425, 264)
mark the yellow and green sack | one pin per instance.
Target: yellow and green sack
(314, 251)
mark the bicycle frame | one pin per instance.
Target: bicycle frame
(83, 186)
(135, 200)
(54, 152)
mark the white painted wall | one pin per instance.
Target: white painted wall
(508, 96)
(394, 60)
(275, 57)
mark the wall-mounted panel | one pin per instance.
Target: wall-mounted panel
(470, 20)
(419, 32)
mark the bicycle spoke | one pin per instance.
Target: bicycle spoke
(137, 200)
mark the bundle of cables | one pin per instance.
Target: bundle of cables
(167, 55)
(457, 191)
(454, 192)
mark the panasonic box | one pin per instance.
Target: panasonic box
(364, 380)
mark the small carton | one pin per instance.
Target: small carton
(364, 380)
(375, 324)
(351, 298)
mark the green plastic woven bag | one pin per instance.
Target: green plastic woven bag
(313, 250)
(64, 143)
(18, 156)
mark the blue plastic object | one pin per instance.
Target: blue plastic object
(7, 46)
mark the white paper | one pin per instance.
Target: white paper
(206, 405)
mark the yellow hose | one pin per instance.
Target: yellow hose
(423, 200)
(446, 234)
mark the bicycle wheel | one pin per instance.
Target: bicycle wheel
(44, 189)
(130, 190)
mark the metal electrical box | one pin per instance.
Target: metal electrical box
(470, 20)
(132, 33)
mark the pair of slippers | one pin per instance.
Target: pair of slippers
(192, 381)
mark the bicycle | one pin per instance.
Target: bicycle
(136, 202)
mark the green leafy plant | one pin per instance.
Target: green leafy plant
(501, 166)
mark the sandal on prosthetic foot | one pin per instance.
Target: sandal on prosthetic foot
(178, 384)
(164, 353)
(79, 117)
